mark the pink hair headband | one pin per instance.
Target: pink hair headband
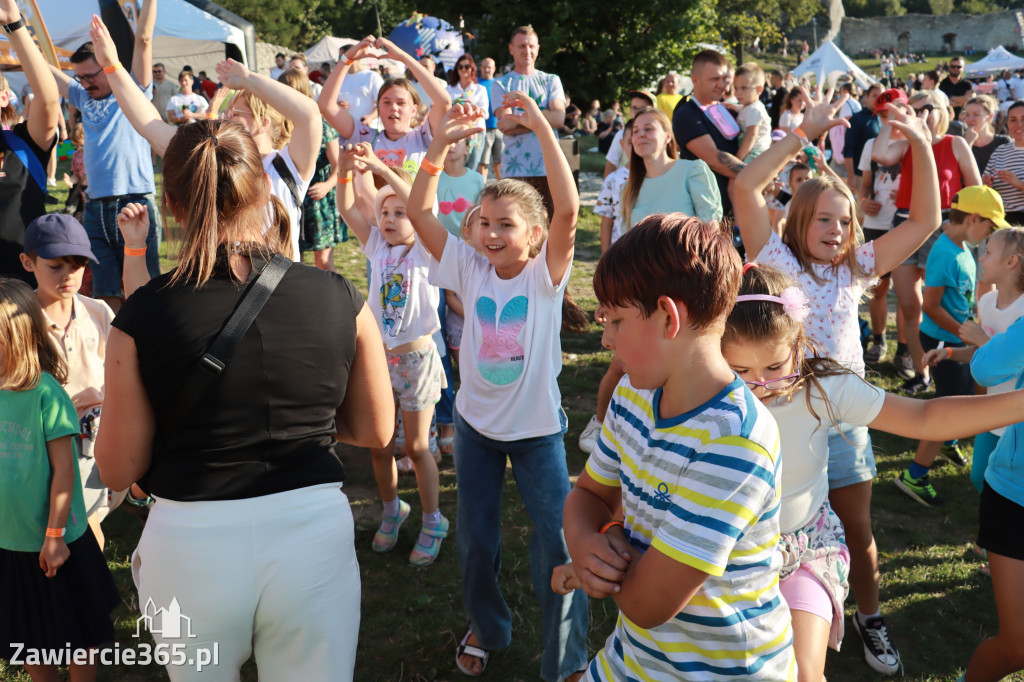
(793, 301)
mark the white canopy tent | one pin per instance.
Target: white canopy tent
(193, 32)
(997, 59)
(828, 63)
(326, 50)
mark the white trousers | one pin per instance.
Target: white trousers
(275, 575)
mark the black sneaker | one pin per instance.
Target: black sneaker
(904, 365)
(879, 652)
(954, 454)
(875, 353)
(919, 384)
(919, 489)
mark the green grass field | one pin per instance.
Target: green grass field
(937, 605)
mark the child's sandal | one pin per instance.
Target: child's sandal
(425, 555)
(385, 541)
(466, 649)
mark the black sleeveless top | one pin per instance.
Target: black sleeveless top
(266, 424)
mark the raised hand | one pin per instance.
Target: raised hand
(364, 49)
(9, 11)
(233, 74)
(102, 43)
(820, 115)
(908, 125)
(531, 118)
(219, 95)
(133, 221)
(461, 121)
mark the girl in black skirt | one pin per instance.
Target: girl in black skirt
(56, 592)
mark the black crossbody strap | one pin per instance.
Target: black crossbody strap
(287, 178)
(219, 353)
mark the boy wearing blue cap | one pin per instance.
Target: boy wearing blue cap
(56, 251)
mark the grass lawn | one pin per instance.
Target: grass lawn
(938, 606)
(869, 65)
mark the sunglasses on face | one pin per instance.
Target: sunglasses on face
(956, 67)
(87, 77)
(464, 67)
(927, 108)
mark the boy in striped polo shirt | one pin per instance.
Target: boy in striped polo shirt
(691, 460)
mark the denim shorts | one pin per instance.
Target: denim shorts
(108, 245)
(850, 457)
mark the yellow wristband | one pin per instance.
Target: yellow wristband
(606, 527)
(112, 68)
(430, 168)
(135, 252)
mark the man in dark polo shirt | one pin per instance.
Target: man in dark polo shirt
(25, 149)
(704, 129)
(957, 88)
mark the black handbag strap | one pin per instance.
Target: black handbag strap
(287, 178)
(219, 352)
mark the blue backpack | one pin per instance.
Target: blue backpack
(28, 158)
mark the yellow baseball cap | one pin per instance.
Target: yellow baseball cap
(982, 200)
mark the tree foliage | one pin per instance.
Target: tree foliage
(741, 21)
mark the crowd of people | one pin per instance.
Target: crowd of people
(726, 504)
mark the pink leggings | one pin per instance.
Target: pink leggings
(803, 592)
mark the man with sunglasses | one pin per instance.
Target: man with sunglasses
(118, 160)
(957, 88)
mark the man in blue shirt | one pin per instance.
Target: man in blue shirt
(118, 160)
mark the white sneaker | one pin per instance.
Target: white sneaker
(588, 439)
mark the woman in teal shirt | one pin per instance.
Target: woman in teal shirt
(659, 181)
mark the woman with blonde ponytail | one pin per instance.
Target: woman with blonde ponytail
(260, 105)
(244, 474)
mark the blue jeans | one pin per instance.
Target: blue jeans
(538, 465)
(446, 405)
(108, 244)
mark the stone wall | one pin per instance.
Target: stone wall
(928, 33)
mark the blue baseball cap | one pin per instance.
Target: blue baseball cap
(56, 235)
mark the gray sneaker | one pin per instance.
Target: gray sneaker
(875, 353)
(904, 365)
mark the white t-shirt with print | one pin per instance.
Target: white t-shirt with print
(406, 152)
(805, 440)
(609, 200)
(885, 180)
(402, 298)
(474, 94)
(280, 190)
(833, 321)
(511, 350)
(193, 102)
(522, 157)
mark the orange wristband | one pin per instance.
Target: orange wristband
(949, 353)
(112, 68)
(802, 136)
(55, 532)
(606, 527)
(135, 252)
(344, 179)
(349, 62)
(430, 168)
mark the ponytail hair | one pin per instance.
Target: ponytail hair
(28, 350)
(214, 174)
(638, 169)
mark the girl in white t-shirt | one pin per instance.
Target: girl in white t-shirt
(766, 344)
(821, 249)
(509, 406)
(406, 313)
